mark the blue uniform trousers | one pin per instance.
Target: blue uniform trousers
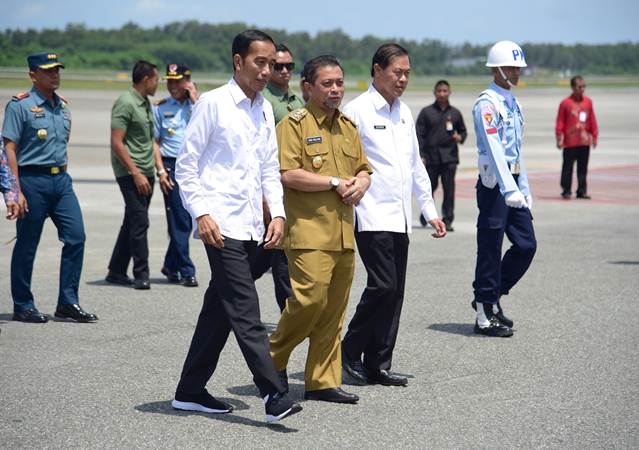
(494, 275)
(52, 196)
(179, 226)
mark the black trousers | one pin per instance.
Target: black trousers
(230, 303)
(275, 260)
(132, 241)
(581, 155)
(373, 329)
(446, 172)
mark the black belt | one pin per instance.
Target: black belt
(49, 170)
(170, 158)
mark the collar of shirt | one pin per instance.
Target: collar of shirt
(436, 106)
(141, 100)
(379, 102)
(279, 93)
(320, 116)
(505, 94)
(40, 99)
(173, 102)
(239, 96)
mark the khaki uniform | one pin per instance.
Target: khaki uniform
(318, 241)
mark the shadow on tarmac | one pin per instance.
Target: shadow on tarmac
(164, 407)
(463, 329)
(625, 263)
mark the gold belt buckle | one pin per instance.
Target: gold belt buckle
(55, 170)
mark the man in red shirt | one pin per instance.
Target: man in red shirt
(576, 131)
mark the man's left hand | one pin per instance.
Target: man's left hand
(356, 187)
(274, 233)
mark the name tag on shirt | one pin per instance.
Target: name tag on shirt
(379, 127)
(39, 116)
(582, 116)
(314, 140)
(169, 114)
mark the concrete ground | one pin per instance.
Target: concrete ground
(569, 378)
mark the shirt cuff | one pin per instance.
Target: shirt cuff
(10, 196)
(278, 211)
(429, 212)
(199, 209)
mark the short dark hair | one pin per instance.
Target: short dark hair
(573, 80)
(385, 53)
(440, 83)
(142, 69)
(242, 42)
(312, 66)
(279, 47)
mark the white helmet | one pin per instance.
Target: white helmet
(506, 53)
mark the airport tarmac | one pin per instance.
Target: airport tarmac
(569, 378)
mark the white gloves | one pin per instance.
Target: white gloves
(515, 199)
(529, 201)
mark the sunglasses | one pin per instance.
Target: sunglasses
(279, 66)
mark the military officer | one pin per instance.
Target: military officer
(172, 114)
(324, 172)
(503, 193)
(36, 130)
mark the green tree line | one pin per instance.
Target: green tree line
(206, 47)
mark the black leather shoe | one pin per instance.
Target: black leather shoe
(31, 316)
(500, 316)
(74, 312)
(189, 282)
(565, 195)
(141, 284)
(449, 228)
(495, 329)
(385, 378)
(173, 277)
(333, 395)
(584, 196)
(117, 278)
(283, 376)
(354, 368)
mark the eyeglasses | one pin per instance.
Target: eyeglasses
(279, 66)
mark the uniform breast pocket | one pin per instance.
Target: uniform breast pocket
(315, 159)
(350, 149)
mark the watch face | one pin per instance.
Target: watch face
(335, 182)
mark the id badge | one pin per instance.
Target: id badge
(582, 116)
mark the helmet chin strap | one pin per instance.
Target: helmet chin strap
(503, 75)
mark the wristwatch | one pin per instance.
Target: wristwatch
(334, 183)
(161, 172)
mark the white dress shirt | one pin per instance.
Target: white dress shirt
(390, 142)
(228, 160)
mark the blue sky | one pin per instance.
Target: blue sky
(457, 21)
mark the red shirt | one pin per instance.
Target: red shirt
(576, 122)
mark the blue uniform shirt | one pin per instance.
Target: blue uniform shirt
(499, 124)
(40, 131)
(171, 118)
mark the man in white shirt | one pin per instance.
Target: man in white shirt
(384, 216)
(227, 162)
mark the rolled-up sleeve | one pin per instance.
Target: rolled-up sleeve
(187, 167)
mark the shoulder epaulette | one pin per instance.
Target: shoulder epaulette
(159, 102)
(297, 114)
(20, 96)
(348, 119)
(63, 99)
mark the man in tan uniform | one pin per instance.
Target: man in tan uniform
(324, 173)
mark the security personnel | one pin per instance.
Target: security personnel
(503, 194)
(172, 114)
(324, 172)
(36, 131)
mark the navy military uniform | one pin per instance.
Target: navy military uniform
(498, 125)
(171, 118)
(40, 130)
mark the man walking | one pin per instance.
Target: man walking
(503, 195)
(133, 166)
(227, 164)
(324, 173)
(36, 130)
(440, 127)
(384, 216)
(576, 130)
